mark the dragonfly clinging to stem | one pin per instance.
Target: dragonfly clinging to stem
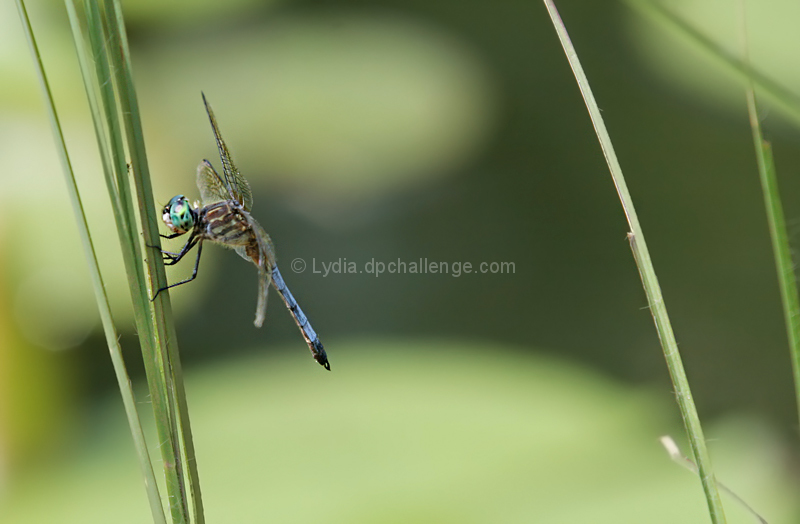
(225, 219)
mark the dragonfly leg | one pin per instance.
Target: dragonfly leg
(168, 237)
(166, 255)
(170, 258)
(194, 273)
(173, 235)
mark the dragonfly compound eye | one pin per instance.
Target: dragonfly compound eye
(178, 214)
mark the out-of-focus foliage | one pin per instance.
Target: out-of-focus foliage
(183, 14)
(772, 40)
(336, 106)
(418, 431)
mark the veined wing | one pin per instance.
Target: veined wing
(237, 187)
(212, 188)
(265, 246)
(264, 280)
(265, 263)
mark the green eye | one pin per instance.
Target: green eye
(179, 215)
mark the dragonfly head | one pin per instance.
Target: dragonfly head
(178, 215)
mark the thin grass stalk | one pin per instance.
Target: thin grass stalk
(101, 134)
(115, 351)
(675, 454)
(775, 217)
(647, 272)
(114, 144)
(106, 47)
(780, 240)
(161, 311)
(101, 92)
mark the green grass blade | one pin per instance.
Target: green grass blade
(111, 114)
(101, 98)
(87, 73)
(105, 40)
(161, 313)
(99, 287)
(655, 299)
(780, 239)
(114, 145)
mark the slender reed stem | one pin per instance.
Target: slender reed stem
(647, 272)
(777, 231)
(106, 70)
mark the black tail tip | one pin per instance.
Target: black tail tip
(323, 361)
(320, 355)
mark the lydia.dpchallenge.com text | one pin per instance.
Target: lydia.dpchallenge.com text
(422, 266)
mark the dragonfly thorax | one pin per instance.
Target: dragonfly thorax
(179, 215)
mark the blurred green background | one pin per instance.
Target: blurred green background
(392, 130)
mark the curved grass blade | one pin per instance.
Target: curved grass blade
(163, 326)
(100, 93)
(97, 280)
(780, 239)
(647, 272)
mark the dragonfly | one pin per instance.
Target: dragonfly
(224, 218)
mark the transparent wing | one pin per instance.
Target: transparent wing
(242, 251)
(264, 281)
(265, 246)
(211, 187)
(237, 187)
(264, 259)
